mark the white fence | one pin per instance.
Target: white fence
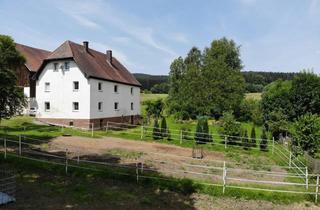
(181, 136)
(212, 173)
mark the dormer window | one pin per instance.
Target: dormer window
(66, 66)
(55, 66)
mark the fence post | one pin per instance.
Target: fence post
(181, 137)
(137, 171)
(290, 157)
(5, 148)
(107, 126)
(224, 175)
(141, 136)
(66, 161)
(317, 188)
(20, 145)
(225, 142)
(272, 144)
(307, 181)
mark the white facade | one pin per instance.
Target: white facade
(57, 88)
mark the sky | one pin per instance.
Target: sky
(147, 35)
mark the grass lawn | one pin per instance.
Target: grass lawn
(152, 97)
(256, 96)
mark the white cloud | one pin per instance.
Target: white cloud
(179, 37)
(85, 21)
(85, 11)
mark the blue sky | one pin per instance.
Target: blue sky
(275, 35)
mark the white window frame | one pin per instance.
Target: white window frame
(74, 85)
(100, 106)
(73, 106)
(116, 104)
(100, 88)
(47, 87)
(116, 89)
(45, 106)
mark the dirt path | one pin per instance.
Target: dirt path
(100, 146)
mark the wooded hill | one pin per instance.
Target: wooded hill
(255, 80)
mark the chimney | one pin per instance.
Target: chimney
(109, 56)
(86, 46)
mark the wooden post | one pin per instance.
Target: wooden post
(225, 142)
(317, 188)
(181, 137)
(137, 171)
(5, 148)
(107, 126)
(224, 175)
(78, 158)
(141, 136)
(272, 144)
(307, 181)
(20, 145)
(66, 161)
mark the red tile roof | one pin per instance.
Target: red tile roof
(93, 64)
(33, 56)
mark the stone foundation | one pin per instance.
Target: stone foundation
(97, 123)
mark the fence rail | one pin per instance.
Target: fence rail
(222, 175)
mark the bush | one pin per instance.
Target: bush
(245, 140)
(306, 133)
(202, 131)
(231, 128)
(253, 142)
(156, 133)
(264, 141)
(164, 128)
(186, 134)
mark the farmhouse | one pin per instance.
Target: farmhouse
(78, 86)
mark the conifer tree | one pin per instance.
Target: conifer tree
(264, 141)
(253, 142)
(245, 140)
(156, 134)
(164, 128)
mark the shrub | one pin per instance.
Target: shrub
(202, 131)
(306, 133)
(264, 140)
(186, 134)
(156, 133)
(253, 142)
(230, 128)
(164, 128)
(245, 140)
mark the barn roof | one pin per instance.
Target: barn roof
(33, 56)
